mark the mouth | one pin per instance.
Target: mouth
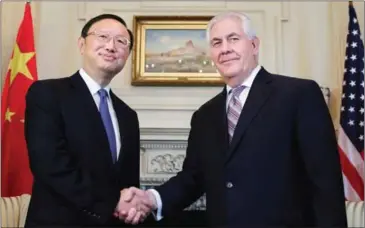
(108, 58)
(228, 61)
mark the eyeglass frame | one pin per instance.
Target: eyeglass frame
(108, 38)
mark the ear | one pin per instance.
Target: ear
(81, 44)
(255, 44)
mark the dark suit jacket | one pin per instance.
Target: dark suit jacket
(281, 169)
(75, 180)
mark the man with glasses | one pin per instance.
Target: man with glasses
(83, 141)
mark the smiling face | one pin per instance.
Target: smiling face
(234, 54)
(104, 50)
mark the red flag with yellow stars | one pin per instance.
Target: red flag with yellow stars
(16, 177)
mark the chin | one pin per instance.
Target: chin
(231, 70)
(232, 78)
(112, 68)
(230, 73)
(232, 81)
(113, 71)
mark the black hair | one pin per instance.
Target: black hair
(92, 21)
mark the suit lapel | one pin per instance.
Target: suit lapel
(259, 94)
(118, 108)
(221, 121)
(84, 103)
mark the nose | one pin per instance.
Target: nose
(225, 47)
(110, 45)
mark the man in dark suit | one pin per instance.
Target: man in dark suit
(263, 150)
(83, 141)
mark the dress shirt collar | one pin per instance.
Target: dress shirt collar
(93, 86)
(249, 80)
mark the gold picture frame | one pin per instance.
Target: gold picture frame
(172, 51)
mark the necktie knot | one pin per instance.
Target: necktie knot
(237, 90)
(103, 93)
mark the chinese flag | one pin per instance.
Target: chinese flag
(16, 177)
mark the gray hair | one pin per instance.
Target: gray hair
(246, 23)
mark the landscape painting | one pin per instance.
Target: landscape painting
(177, 50)
(172, 51)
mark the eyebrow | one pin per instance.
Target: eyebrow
(110, 32)
(228, 36)
(232, 34)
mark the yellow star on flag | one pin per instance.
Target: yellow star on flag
(18, 64)
(8, 115)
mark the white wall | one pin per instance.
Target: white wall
(293, 43)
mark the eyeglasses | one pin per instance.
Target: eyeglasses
(122, 42)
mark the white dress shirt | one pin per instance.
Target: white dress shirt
(247, 83)
(243, 97)
(94, 87)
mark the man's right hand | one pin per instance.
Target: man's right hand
(135, 205)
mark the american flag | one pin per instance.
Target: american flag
(351, 131)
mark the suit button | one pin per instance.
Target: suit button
(229, 185)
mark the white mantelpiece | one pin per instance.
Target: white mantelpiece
(162, 156)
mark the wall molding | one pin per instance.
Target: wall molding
(163, 145)
(162, 135)
(81, 11)
(164, 131)
(285, 11)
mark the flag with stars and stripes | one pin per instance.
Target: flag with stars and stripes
(351, 130)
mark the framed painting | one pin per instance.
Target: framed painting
(172, 51)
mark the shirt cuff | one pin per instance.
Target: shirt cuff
(158, 216)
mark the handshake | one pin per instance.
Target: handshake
(135, 205)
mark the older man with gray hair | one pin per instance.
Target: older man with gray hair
(263, 150)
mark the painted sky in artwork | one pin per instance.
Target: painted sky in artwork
(163, 40)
